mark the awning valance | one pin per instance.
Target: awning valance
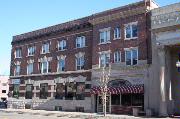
(119, 90)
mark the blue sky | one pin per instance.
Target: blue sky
(20, 16)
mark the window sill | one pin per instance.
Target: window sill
(62, 50)
(29, 55)
(104, 43)
(80, 47)
(117, 38)
(45, 53)
(131, 38)
(18, 57)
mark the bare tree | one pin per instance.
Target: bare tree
(104, 79)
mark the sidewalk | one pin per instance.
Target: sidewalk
(62, 114)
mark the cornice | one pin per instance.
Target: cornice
(122, 14)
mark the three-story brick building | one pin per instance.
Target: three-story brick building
(59, 67)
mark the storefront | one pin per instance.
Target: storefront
(122, 96)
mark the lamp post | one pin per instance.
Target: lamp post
(104, 81)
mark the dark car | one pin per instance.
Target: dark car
(3, 105)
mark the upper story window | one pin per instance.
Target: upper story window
(30, 68)
(62, 45)
(18, 53)
(61, 65)
(31, 50)
(80, 61)
(45, 48)
(117, 33)
(131, 30)
(17, 70)
(44, 67)
(80, 42)
(105, 35)
(104, 59)
(131, 56)
(117, 56)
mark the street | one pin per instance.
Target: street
(41, 114)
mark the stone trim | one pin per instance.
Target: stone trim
(119, 15)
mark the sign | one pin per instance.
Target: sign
(15, 81)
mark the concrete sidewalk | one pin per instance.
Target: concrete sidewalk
(67, 115)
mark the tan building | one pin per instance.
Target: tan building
(164, 82)
(4, 88)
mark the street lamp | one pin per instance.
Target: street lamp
(104, 88)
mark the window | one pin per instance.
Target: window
(117, 56)
(104, 35)
(18, 53)
(117, 33)
(131, 30)
(31, 50)
(62, 45)
(61, 65)
(44, 67)
(80, 63)
(17, 70)
(104, 59)
(45, 48)
(29, 88)
(126, 100)
(16, 90)
(115, 99)
(4, 84)
(59, 91)
(69, 91)
(80, 89)
(131, 56)
(80, 42)
(43, 91)
(3, 91)
(30, 68)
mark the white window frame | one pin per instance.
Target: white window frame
(80, 42)
(82, 63)
(131, 34)
(18, 53)
(59, 68)
(44, 51)
(131, 49)
(117, 31)
(42, 67)
(118, 56)
(31, 53)
(106, 35)
(28, 68)
(15, 70)
(104, 55)
(62, 45)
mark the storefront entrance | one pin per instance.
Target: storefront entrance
(122, 97)
(100, 104)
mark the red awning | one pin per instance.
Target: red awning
(119, 90)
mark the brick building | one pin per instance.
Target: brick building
(59, 67)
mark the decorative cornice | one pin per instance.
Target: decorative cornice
(45, 59)
(61, 57)
(122, 14)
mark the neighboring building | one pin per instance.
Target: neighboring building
(4, 88)
(59, 67)
(165, 74)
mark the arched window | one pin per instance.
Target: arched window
(118, 83)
